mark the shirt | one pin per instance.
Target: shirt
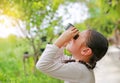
(51, 63)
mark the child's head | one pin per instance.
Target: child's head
(90, 46)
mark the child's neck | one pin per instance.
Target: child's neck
(81, 58)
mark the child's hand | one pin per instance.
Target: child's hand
(66, 36)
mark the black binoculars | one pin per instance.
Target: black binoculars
(70, 25)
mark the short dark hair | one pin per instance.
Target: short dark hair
(98, 44)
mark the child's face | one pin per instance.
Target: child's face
(75, 46)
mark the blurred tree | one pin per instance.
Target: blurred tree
(105, 15)
(39, 18)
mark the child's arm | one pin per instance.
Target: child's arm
(48, 60)
(48, 65)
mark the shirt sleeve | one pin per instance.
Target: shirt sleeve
(59, 57)
(48, 65)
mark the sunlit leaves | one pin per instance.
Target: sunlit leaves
(56, 3)
(10, 8)
(37, 5)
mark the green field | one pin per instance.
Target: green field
(12, 67)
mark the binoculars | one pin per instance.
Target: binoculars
(70, 25)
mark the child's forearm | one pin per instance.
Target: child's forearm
(59, 42)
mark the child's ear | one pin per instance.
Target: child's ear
(86, 51)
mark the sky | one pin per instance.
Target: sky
(8, 27)
(77, 12)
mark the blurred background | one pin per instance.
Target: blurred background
(26, 26)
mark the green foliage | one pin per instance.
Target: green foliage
(104, 15)
(11, 65)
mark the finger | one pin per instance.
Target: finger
(75, 30)
(71, 28)
(76, 33)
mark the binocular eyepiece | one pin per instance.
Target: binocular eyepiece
(70, 25)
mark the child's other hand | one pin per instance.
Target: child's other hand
(66, 36)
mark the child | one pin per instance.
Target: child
(86, 50)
